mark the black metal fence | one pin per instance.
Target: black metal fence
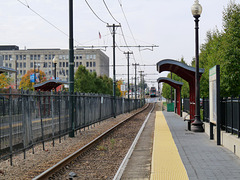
(29, 118)
(230, 114)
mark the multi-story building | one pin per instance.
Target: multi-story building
(23, 60)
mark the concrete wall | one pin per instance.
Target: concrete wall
(231, 142)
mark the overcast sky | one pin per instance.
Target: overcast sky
(166, 23)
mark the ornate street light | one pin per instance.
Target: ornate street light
(55, 61)
(197, 124)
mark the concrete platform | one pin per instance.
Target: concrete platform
(201, 157)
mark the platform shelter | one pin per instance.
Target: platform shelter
(176, 85)
(184, 71)
(49, 85)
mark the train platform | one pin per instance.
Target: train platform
(167, 150)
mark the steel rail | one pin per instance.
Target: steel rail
(64, 162)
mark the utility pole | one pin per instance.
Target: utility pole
(135, 82)
(71, 70)
(114, 72)
(128, 52)
(141, 80)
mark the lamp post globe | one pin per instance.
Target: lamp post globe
(197, 123)
(55, 66)
(196, 9)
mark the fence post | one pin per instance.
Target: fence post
(59, 116)
(232, 111)
(226, 111)
(30, 97)
(52, 107)
(238, 116)
(24, 127)
(10, 125)
(40, 110)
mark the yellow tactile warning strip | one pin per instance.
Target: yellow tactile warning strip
(166, 161)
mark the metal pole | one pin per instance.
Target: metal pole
(114, 72)
(16, 72)
(55, 70)
(197, 122)
(71, 69)
(114, 75)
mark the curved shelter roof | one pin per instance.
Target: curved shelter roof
(183, 70)
(6, 69)
(171, 82)
(49, 85)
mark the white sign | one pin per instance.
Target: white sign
(213, 95)
(123, 88)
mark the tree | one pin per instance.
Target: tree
(87, 82)
(4, 81)
(26, 84)
(223, 48)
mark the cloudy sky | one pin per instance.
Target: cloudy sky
(166, 23)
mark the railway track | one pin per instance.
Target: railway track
(100, 158)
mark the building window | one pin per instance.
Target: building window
(63, 64)
(16, 57)
(90, 64)
(10, 65)
(24, 65)
(6, 64)
(87, 56)
(49, 57)
(6, 57)
(20, 57)
(90, 70)
(10, 57)
(45, 64)
(31, 57)
(24, 57)
(80, 63)
(87, 64)
(60, 64)
(94, 64)
(24, 72)
(35, 57)
(94, 56)
(46, 56)
(20, 65)
(31, 64)
(49, 64)
(76, 64)
(66, 64)
(21, 72)
(39, 57)
(66, 72)
(91, 57)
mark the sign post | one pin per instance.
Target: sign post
(214, 101)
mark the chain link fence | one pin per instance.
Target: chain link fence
(28, 118)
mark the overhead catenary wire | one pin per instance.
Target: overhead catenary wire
(110, 12)
(35, 12)
(95, 13)
(42, 17)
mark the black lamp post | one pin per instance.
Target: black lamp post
(55, 66)
(197, 124)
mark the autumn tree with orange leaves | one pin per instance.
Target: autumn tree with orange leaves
(25, 83)
(4, 81)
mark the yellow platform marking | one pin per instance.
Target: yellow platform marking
(166, 161)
